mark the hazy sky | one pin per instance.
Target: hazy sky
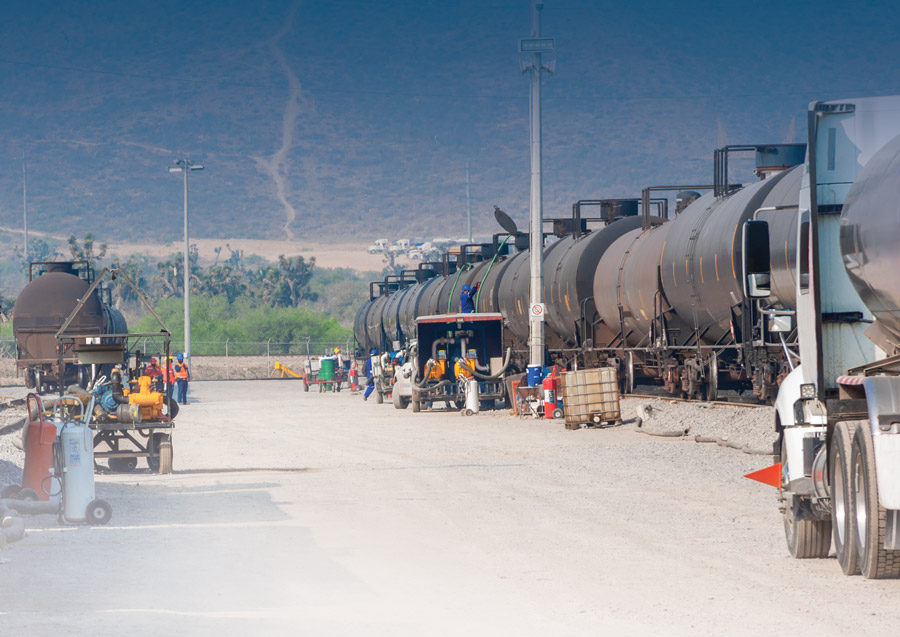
(367, 111)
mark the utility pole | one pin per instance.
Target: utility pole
(185, 166)
(535, 45)
(468, 203)
(24, 205)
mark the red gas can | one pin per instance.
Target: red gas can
(38, 451)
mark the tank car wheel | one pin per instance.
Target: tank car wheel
(10, 491)
(869, 517)
(83, 376)
(98, 512)
(806, 537)
(841, 497)
(629, 373)
(28, 495)
(712, 382)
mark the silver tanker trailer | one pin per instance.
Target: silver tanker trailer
(838, 411)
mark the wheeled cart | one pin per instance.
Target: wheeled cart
(122, 444)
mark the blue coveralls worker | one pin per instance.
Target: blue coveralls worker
(467, 299)
(182, 376)
(370, 378)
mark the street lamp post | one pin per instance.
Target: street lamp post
(535, 45)
(185, 166)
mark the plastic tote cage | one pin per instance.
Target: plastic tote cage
(590, 397)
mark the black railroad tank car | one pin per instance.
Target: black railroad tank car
(658, 298)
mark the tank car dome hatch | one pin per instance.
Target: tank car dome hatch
(777, 157)
(613, 209)
(684, 199)
(66, 267)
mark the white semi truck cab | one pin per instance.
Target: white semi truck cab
(838, 411)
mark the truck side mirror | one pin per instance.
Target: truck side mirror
(757, 268)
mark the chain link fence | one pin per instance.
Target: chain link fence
(218, 360)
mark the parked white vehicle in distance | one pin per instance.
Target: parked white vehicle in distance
(400, 245)
(377, 247)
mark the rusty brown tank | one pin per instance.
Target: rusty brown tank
(40, 310)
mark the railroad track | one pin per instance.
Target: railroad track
(7, 403)
(737, 402)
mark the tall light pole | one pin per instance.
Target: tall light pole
(535, 45)
(24, 206)
(185, 166)
(468, 203)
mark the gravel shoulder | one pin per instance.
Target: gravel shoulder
(307, 513)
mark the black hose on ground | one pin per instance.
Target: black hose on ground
(13, 529)
(28, 507)
(724, 442)
(673, 433)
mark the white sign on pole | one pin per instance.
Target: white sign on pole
(537, 311)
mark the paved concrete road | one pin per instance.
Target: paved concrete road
(308, 514)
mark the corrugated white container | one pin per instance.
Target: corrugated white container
(590, 397)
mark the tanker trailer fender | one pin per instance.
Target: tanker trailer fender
(883, 404)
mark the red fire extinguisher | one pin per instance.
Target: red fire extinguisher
(354, 377)
(550, 395)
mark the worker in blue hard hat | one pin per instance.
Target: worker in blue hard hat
(467, 298)
(182, 377)
(370, 376)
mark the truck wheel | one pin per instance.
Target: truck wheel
(806, 537)
(841, 497)
(875, 562)
(98, 512)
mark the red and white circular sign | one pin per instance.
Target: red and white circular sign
(537, 311)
